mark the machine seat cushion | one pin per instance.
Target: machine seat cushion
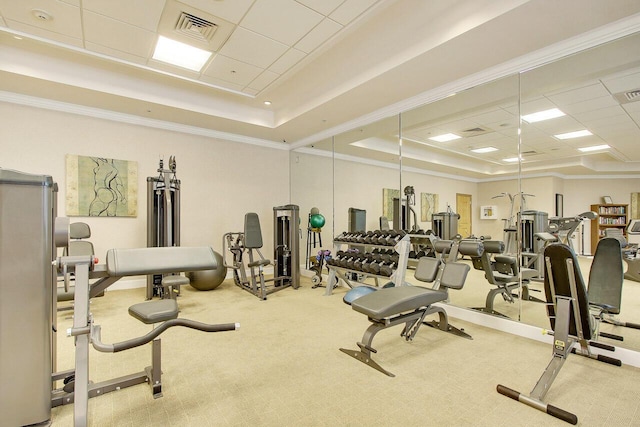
(388, 302)
(175, 280)
(150, 312)
(258, 263)
(138, 261)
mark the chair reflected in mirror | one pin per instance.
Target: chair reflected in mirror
(78, 246)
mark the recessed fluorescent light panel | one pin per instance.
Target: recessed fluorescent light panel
(510, 160)
(180, 54)
(484, 150)
(576, 134)
(542, 115)
(445, 137)
(594, 148)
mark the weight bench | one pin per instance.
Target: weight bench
(163, 314)
(568, 311)
(605, 285)
(410, 305)
(503, 273)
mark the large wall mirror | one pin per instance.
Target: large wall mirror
(502, 170)
(450, 149)
(591, 92)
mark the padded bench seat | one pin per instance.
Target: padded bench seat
(392, 301)
(150, 312)
(175, 280)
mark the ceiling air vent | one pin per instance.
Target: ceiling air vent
(633, 95)
(628, 96)
(529, 153)
(475, 131)
(195, 28)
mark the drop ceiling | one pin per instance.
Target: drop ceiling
(325, 65)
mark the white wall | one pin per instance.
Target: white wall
(220, 180)
(446, 189)
(312, 187)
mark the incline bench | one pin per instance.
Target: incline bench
(411, 304)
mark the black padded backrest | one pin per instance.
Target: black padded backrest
(454, 275)
(427, 269)
(558, 254)
(252, 232)
(607, 275)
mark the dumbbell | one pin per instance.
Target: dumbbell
(387, 269)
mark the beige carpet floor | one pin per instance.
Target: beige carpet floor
(283, 368)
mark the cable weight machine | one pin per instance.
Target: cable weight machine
(163, 216)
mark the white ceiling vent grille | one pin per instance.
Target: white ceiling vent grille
(633, 95)
(628, 96)
(475, 131)
(196, 28)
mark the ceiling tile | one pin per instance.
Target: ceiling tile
(324, 7)
(632, 107)
(64, 18)
(629, 81)
(232, 71)
(40, 32)
(585, 93)
(252, 48)
(318, 35)
(263, 80)
(286, 61)
(118, 35)
(115, 53)
(232, 11)
(283, 20)
(590, 105)
(222, 83)
(144, 14)
(350, 10)
(250, 91)
(587, 116)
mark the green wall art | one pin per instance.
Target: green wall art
(98, 186)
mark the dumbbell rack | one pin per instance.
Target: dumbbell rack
(401, 247)
(419, 240)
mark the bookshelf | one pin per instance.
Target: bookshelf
(609, 216)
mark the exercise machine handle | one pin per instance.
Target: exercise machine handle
(136, 342)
